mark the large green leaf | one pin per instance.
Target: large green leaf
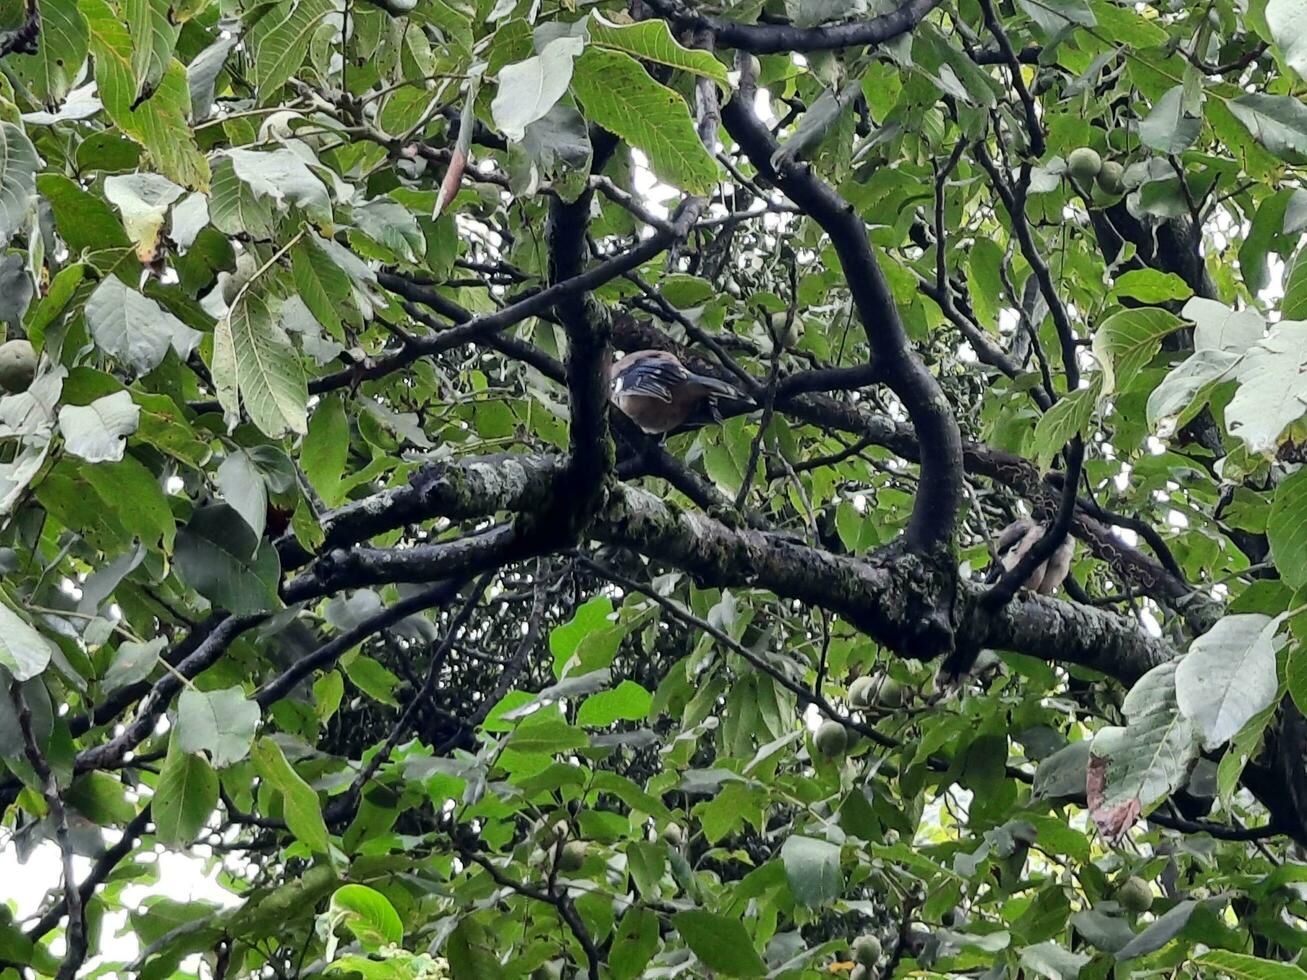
(163, 128)
(184, 797)
(720, 942)
(299, 803)
(219, 556)
(1228, 676)
(1137, 766)
(1128, 340)
(619, 95)
(529, 88)
(154, 37)
(652, 40)
(281, 40)
(51, 71)
(221, 723)
(1287, 21)
(24, 652)
(134, 328)
(18, 166)
(267, 371)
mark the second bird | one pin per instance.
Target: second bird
(659, 393)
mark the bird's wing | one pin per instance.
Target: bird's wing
(1058, 566)
(653, 378)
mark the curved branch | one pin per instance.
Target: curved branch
(935, 510)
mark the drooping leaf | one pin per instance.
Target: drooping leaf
(184, 797)
(299, 802)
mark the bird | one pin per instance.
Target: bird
(658, 393)
(1015, 541)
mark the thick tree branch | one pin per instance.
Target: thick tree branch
(774, 38)
(935, 509)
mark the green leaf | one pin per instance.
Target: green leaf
(137, 499)
(134, 328)
(184, 797)
(18, 166)
(97, 433)
(299, 802)
(1272, 388)
(244, 491)
(1068, 417)
(1050, 960)
(1286, 529)
(1128, 340)
(529, 89)
(620, 96)
(1169, 128)
(235, 209)
(635, 944)
(281, 39)
(1294, 304)
(721, 943)
(1151, 286)
(1241, 966)
(154, 37)
(1145, 761)
(24, 652)
(221, 723)
(85, 221)
(373, 680)
(813, 870)
(1160, 932)
(626, 702)
(1055, 16)
(1278, 122)
(368, 914)
(1228, 676)
(268, 373)
(163, 129)
(132, 663)
(50, 72)
(325, 449)
(219, 557)
(1287, 22)
(651, 40)
(548, 738)
(283, 176)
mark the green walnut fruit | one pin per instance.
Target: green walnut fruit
(17, 365)
(1135, 895)
(1084, 163)
(862, 691)
(867, 951)
(891, 693)
(673, 835)
(1111, 179)
(573, 856)
(831, 739)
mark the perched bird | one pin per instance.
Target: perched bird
(1015, 542)
(658, 393)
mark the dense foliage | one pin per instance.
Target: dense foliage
(326, 560)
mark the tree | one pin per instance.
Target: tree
(326, 557)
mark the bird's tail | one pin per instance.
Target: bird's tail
(716, 386)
